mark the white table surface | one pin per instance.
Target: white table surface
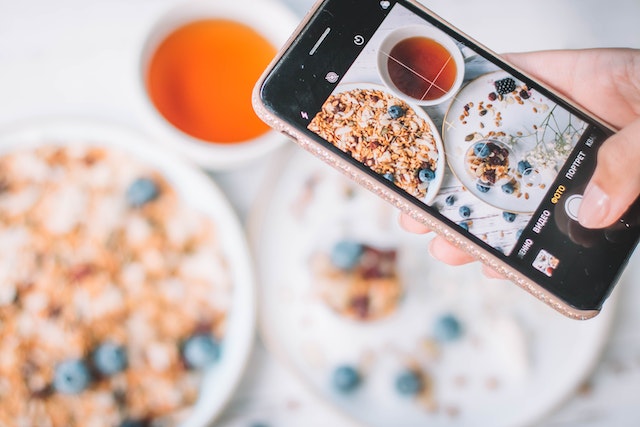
(80, 58)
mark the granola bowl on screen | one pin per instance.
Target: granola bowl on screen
(125, 293)
(394, 139)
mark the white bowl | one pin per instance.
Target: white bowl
(403, 33)
(268, 18)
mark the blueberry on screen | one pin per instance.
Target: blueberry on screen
(389, 177)
(464, 225)
(200, 351)
(464, 211)
(481, 150)
(524, 167)
(482, 188)
(450, 200)
(508, 188)
(71, 376)
(509, 216)
(426, 175)
(346, 378)
(396, 111)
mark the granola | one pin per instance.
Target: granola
(86, 259)
(384, 133)
(488, 161)
(357, 281)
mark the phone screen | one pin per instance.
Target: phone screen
(432, 115)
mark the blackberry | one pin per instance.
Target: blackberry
(504, 86)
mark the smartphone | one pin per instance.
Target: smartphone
(452, 134)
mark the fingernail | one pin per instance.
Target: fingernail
(594, 207)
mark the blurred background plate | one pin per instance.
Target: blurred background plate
(515, 361)
(201, 194)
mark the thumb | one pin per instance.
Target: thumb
(615, 184)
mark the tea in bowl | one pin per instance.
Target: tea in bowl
(199, 65)
(421, 64)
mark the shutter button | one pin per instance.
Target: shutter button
(572, 205)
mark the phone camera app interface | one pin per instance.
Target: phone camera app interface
(453, 130)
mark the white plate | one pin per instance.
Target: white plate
(434, 185)
(202, 194)
(518, 122)
(517, 360)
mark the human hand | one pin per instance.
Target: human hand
(607, 83)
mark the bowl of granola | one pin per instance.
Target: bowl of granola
(394, 138)
(126, 292)
(487, 161)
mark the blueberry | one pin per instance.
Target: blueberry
(524, 167)
(142, 191)
(346, 378)
(447, 328)
(110, 358)
(519, 233)
(450, 200)
(71, 376)
(409, 383)
(464, 225)
(389, 176)
(482, 187)
(346, 254)
(481, 149)
(425, 175)
(509, 216)
(200, 351)
(396, 111)
(508, 188)
(464, 211)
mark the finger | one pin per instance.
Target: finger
(411, 225)
(615, 183)
(491, 273)
(603, 81)
(447, 253)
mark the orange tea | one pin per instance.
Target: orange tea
(201, 77)
(422, 68)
